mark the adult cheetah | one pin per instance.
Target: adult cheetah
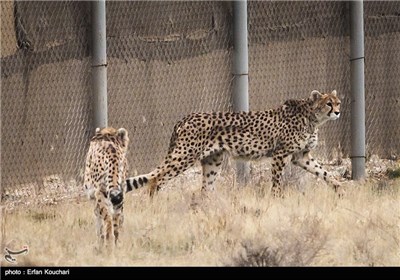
(289, 130)
(104, 180)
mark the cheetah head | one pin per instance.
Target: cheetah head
(326, 105)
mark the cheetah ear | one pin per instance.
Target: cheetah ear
(334, 93)
(97, 130)
(123, 134)
(315, 95)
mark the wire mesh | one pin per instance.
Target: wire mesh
(296, 47)
(382, 83)
(44, 92)
(167, 59)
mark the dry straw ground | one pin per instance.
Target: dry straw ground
(232, 227)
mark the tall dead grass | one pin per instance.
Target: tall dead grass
(231, 227)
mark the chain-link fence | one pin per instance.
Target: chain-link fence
(382, 79)
(45, 95)
(296, 47)
(166, 59)
(299, 46)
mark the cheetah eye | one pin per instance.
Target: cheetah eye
(329, 104)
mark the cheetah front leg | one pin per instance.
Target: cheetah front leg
(211, 166)
(279, 161)
(307, 162)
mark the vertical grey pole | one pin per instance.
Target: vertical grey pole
(357, 89)
(99, 63)
(241, 73)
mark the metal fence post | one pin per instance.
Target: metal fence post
(99, 63)
(357, 121)
(240, 73)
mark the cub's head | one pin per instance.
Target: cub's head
(108, 133)
(326, 105)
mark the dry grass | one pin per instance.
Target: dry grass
(231, 227)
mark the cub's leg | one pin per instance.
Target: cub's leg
(118, 219)
(103, 217)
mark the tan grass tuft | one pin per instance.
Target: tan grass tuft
(230, 226)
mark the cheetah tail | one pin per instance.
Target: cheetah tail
(136, 182)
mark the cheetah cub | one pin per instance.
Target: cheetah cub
(104, 181)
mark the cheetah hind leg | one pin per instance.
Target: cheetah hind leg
(153, 187)
(211, 166)
(169, 169)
